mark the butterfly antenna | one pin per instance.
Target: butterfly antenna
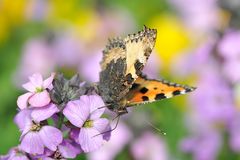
(115, 127)
(101, 107)
(159, 130)
(116, 117)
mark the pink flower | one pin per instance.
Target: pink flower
(36, 136)
(229, 49)
(85, 114)
(38, 96)
(43, 113)
(204, 146)
(15, 153)
(229, 45)
(149, 146)
(90, 67)
(200, 15)
(68, 149)
(37, 57)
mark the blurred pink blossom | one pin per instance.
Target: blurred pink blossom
(193, 61)
(90, 67)
(229, 49)
(111, 20)
(37, 58)
(200, 15)
(204, 145)
(149, 146)
(37, 9)
(68, 50)
(152, 67)
(212, 101)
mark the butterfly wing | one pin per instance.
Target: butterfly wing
(145, 91)
(139, 47)
(123, 60)
(113, 71)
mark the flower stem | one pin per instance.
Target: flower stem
(60, 121)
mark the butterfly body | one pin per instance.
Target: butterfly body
(121, 82)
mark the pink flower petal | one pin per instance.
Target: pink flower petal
(101, 124)
(88, 140)
(23, 99)
(229, 45)
(68, 150)
(51, 137)
(74, 133)
(36, 79)
(96, 103)
(48, 81)
(29, 86)
(32, 143)
(76, 112)
(47, 158)
(22, 119)
(40, 99)
(19, 157)
(43, 113)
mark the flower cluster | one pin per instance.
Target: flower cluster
(214, 118)
(58, 119)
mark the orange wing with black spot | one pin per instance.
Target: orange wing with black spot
(146, 90)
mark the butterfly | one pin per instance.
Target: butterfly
(122, 83)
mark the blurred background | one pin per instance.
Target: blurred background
(198, 44)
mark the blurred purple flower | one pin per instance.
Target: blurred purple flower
(193, 62)
(200, 15)
(212, 105)
(212, 100)
(152, 67)
(38, 95)
(37, 58)
(229, 46)
(85, 114)
(204, 145)
(15, 154)
(119, 138)
(231, 70)
(37, 9)
(149, 146)
(229, 49)
(110, 20)
(36, 136)
(68, 50)
(90, 67)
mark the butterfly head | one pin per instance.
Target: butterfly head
(118, 108)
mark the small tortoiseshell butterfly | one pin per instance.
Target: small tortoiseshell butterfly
(121, 82)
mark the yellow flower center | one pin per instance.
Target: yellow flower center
(35, 127)
(39, 89)
(88, 124)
